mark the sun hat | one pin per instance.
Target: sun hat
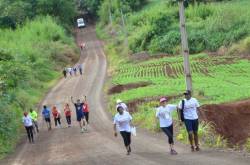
(118, 101)
(163, 99)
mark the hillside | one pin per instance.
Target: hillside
(34, 47)
(220, 74)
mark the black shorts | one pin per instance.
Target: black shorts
(192, 125)
(47, 120)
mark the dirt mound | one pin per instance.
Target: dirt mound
(144, 56)
(120, 88)
(232, 120)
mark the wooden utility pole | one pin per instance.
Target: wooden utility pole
(124, 29)
(184, 43)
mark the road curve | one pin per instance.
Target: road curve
(98, 147)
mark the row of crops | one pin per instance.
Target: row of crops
(217, 78)
(167, 68)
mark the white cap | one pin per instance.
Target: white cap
(118, 101)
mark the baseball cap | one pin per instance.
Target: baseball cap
(187, 92)
(163, 99)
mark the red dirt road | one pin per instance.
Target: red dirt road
(67, 146)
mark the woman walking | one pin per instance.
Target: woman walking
(27, 122)
(67, 113)
(57, 116)
(164, 114)
(86, 110)
(122, 122)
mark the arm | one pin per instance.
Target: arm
(72, 100)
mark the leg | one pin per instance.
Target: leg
(36, 125)
(59, 121)
(129, 140)
(28, 133)
(55, 119)
(196, 136)
(169, 132)
(125, 140)
(189, 127)
(31, 133)
(69, 120)
(87, 117)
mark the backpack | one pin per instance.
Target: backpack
(182, 110)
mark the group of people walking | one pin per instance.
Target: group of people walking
(73, 70)
(187, 114)
(186, 110)
(82, 116)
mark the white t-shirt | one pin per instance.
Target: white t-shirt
(190, 108)
(164, 114)
(27, 121)
(123, 105)
(123, 121)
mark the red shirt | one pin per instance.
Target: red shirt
(67, 111)
(55, 114)
(85, 108)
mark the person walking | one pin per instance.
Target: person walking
(57, 117)
(34, 118)
(86, 110)
(67, 113)
(122, 123)
(64, 73)
(75, 71)
(121, 103)
(79, 114)
(164, 114)
(46, 116)
(80, 68)
(189, 107)
(27, 122)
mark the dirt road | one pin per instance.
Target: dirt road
(98, 146)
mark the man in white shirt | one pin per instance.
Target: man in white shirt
(122, 122)
(122, 104)
(190, 108)
(164, 114)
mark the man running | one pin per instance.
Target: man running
(79, 113)
(34, 117)
(46, 116)
(189, 106)
(119, 103)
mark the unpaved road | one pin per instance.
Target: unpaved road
(98, 146)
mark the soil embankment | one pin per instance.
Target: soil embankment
(232, 120)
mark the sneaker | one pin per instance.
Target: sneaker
(192, 148)
(173, 152)
(129, 150)
(82, 130)
(197, 148)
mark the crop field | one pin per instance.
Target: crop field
(215, 79)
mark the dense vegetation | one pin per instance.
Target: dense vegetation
(210, 26)
(33, 49)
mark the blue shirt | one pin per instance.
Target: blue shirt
(46, 113)
(79, 109)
